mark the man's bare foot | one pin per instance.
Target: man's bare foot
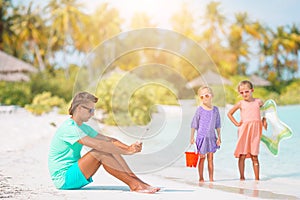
(201, 180)
(147, 190)
(144, 188)
(242, 178)
(155, 188)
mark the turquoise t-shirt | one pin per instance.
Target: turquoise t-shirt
(65, 150)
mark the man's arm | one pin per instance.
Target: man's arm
(118, 143)
(106, 146)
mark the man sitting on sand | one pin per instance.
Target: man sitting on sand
(71, 171)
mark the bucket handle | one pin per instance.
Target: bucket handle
(193, 148)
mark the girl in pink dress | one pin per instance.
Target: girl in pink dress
(249, 128)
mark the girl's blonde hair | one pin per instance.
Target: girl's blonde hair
(205, 87)
(81, 98)
(245, 82)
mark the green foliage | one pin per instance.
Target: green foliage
(142, 103)
(59, 82)
(291, 94)
(44, 102)
(12, 93)
(64, 110)
(232, 96)
(265, 94)
(55, 82)
(219, 95)
(128, 100)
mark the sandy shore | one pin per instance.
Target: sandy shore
(24, 174)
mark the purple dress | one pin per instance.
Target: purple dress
(205, 122)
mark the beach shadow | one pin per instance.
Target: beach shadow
(248, 192)
(229, 179)
(107, 187)
(262, 194)
(175, 190)
(126, 189)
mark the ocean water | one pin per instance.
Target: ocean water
(288, 160)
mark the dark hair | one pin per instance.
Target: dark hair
(81, 98)
(245, 82)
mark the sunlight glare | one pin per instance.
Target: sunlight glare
(160, 11)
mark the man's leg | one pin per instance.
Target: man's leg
(125, 166)
(91, 162)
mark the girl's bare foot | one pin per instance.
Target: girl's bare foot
(201, 180)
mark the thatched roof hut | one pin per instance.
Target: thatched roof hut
(13, 69)
(208, 78)
(258, 81)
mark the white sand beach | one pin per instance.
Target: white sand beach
(24, 174)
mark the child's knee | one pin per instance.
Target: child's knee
(242, 157)
(210, 158)
(255, 160)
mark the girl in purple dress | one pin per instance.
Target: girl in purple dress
(207, 122)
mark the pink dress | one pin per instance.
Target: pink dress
(249, 133)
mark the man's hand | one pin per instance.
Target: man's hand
(135, 147)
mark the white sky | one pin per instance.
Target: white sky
(269, 12)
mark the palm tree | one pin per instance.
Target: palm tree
(23, 33)
(7, 36)
(103, 24)
(237, 42)
(295, 37)
(29, 35)
(242, 33)
(5, 24)
(214, 22)
(66, 22)
(183, 21)
(4, 5)
(213, 36)
(277, 49)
